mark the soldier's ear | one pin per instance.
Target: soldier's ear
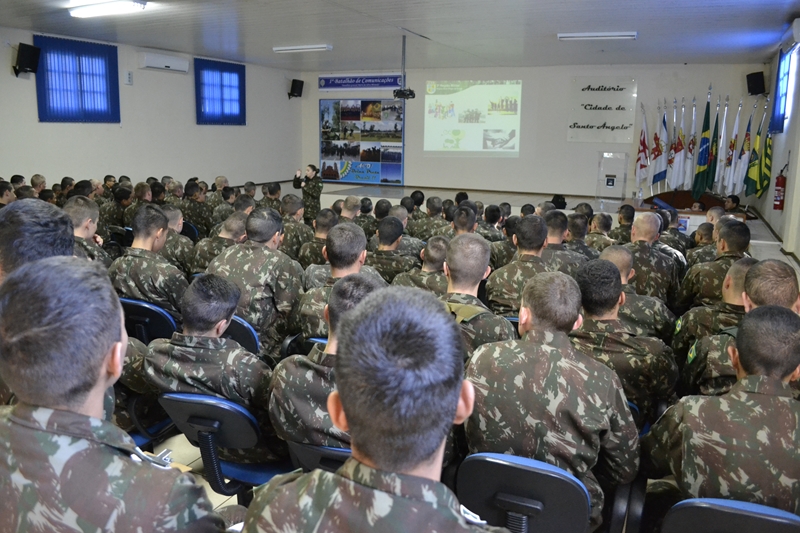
(748, 303)
(514, 240)
(446, 269)
(734, 355)
(621, 300)
(796, 306)
(794, 376)
(726, 283)
(422, 255)
(326, 315)
(113, 361)
(578, 322)
(466, 401)
(362, 258)
(487, 272)
(325, 253)
(336, 412)
(314, 224)
(631, 274)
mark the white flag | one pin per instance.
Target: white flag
(744, 160)
(730, 154)
(688, 166)
(723, 153)
(680, 156)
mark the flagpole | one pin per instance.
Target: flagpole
(659, 126)
(721, 169)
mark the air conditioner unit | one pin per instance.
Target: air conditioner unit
(163, 62)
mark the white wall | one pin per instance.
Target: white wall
(158, 134)
(547, 163)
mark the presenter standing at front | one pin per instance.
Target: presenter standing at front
(312, 190)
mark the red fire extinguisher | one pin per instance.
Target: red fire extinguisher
(780, 191)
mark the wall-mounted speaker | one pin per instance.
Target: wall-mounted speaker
(27, 59)
(297, 89)
(755, 84)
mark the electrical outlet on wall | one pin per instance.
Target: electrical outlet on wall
(129, 77)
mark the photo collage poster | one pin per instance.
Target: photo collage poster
(361, 141)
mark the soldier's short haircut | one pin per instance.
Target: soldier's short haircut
(464, 219)
(192, 188)
(738, 271)
(66, 181)
(389, 230)
(716, 211)
(273, 188)
(166, 180)
(603, 221)
(337, 206)
(434, 205)
(109, 177)
(151, 180)
(600, 286)
(149, 218)
(527, 209)
(725, 220)
(141, 189)
(382, 209)
(735, 199)
(470, 204)
(31, 229)
(627, 212)
(492, 214)
(17, 179)
(156, 189)
(37, 179)
(546, 207)
(77, 306)
(736, 235)
(249, 187)
(344, 244)
(262, 224)
(351, 203)
(124, 179)
(479, 206)
(121, 193)
(585, 209)
(467, 258)
(83, 188)
(556, 222)
(243, 202)
(406, 203)
(531, 232)
(620, 256)
(80, 209)
(673, 215)
(208, 300)
(436, 252)
(45, 195)
(291, 204)
(326, 219)
(25, 191)
(706, 231)
(418, 197)
(768, 342)
(554, 301)
(219, 181)
(5, 187)
(366, 206)
(647, 226)
(174, 185)
(236, 224)
(578, 225)
(399, 212)
(663, 215)
(447, 203)
(771, 282)
(227, 192)
(505, 207)
(173, 212)
(401, 380)
(348, 293)
(511, 226)
(460, 197)
(450, 212)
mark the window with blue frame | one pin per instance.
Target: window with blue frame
(781, 91)
(219, 92)
(77, 81)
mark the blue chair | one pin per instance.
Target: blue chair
(209, 422)
(318, 340)
(309, 457)
(190, 230)
(146, 321)
(513, 319)
(242, 332)
(711, 515)
(522, 494)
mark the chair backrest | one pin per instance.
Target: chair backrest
(292, 345)
(146, 321)
(310, 457)
(242, 332)
(128, 237)
(232, 424)
(503, 489)
(190, 230)
(711, 515)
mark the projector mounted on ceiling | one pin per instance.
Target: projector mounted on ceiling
(404, 93)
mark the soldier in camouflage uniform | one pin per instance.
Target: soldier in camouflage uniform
(311, 252)
(504, 287)
(270, 282)
(301, 384)
(622, 233)
(645, 365)
(387, 259)
(425, 228)
(487, 226)
(431, 276)
(409, 246)
(703, 283)
(233, 232)
(743, 445)
(598, 237)
(656, 274)
(577, 226)
(503, 251)
(311, 185)
(705, 248)
(244, 203)
(142, 274)
(84, 215)
(215, 198)
(112, 213)
(178, 249)
(63, 467)
(174, 193)
(108, 187)
(365, 220)
(195, 209)
(317, 275)
(375, 336)
(555, 255)
(272, 196)
(525, 389)
(645, 316)
(141, 195)
(295, 232)
(224, 209)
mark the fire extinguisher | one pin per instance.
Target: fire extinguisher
(780, 191)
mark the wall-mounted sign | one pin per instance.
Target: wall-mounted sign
(360, 82)
(602, 110)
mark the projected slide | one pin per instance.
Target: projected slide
(479, 116)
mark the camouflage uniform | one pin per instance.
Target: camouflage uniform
(272, 203)
(270, 284)
(436, 282)
(621, 234)
(91, 251)
(298, 403)
(199, 214)
(489, 232)
(213, 199)
(368, 223)
(409, 246)
(130, 212)
(703, 283)
(501, 253)
(538, 397)
(366, 500)
(579, 246)
(174, 200)
(216, 367)
(145, 275)
(390, 263)
(656, 274)
(646, 316)
(206, 250)
(478, 324)
(108, 193)
(426, 228)
(709, 370)
(740, 446)
(645, 365)
(446, 231)
(311, 253)
(599, 241)
(178, 250)
(112, 214)
(295, 234)
(701, 254)
(700, 322)
(677, 258)
(221, 213)
(317, 275)
(311, 194)
(504, 286)
(307, 316)
(558, 258)
(686, 241)
(673, 242)
(63, 471)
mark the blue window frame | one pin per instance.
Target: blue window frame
(219, 92)
(781, 91)
(76, 81)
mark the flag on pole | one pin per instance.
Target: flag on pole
(643, 157)
(753, 166)
(688, 166)
(659, 161)
(743, 161)
(722, 152)
(680, 155)
(731, 155)
(671, 158)
(766, 167)
(712, 153)
(701, 171)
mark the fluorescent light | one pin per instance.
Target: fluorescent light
(597, 36)
(118, 7)
(304, 48)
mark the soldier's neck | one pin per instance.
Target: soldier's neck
(537, 253)
(143, 244)
(430, 469)
(452, 289)
(426, 268)
(611, 315)
(330, 348)
(554, 239)
(339, 273)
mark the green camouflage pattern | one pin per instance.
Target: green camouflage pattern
(91, 251)
(559, 259)
(369, 224)
(425, 228)
(501, 253)
(206, 250)
(673, 241)
(199, 214)
(317, 275)
(656, 274)
(308, 315)
(130, 211)
(446, 231)
(409, 246)
(214, 199)
(272, 203)
(221, 213)
(67, 472)
(703, 283)
(701, 254)
(621, 234)
(356, 499)
(579, 246)
(311, 193)
(646, 316)
(311, 253)
(489, 232)
(504, 286)
(435, 282)
(478, 324)
(174, 200)
(179, 251)
(599, 241)
(390, 263)
(708, 369)
(701, 322)
(538, 397)
(677, 258)
(295, 234)
(112, 214)
(740, 446)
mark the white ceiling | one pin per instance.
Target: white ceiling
(365, 34)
